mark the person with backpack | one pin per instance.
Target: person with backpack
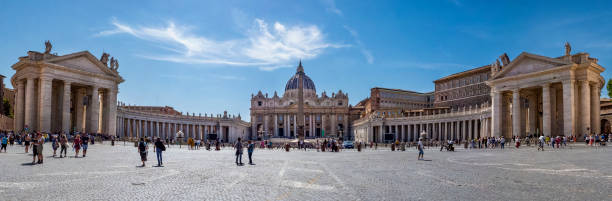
(159, 147)
(4, 143)
(63, 145)
(142, 150)
(238, 147)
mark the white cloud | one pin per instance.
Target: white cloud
(264, 46)
(330, 5)
(366, 53)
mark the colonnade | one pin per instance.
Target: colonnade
(315, 124)
(137, 128)
(442, 125)
(134, 124)
(438, 131)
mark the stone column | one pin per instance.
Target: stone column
(295, 125)
(381, 137)
(595, 109)
(29, 114)
(44, 104)
(533, 109)
(546, 113)
(334, 125)
(266, 128)
(19, 104)
(465, 129)
(569, 108)
(129, 129)
(496, 111)
(275, 125)
(94, 110)
(112, 110)
(585, 107)
(66, 108)
(516, 113)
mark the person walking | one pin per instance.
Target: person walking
(63, 145)
(159, 148)
(542, 140)
(76, 144)
(85, 143)
(4, 143)
(238, 147)
(420, 148)
(142, 150)
(250, 149)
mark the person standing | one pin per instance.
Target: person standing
(159, 147)
(238, 147)
(502, 141)
(250, 149)
(54, 144)
(27, 142)
(84, 142)
(142, 150)
(420, 148)
(40, 141)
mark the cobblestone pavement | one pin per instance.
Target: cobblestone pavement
(111, 173)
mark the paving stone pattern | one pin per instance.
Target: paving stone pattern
(111, 173)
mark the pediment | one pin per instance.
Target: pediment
(83, 61)
(529, 63)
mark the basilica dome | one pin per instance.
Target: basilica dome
(293, 84)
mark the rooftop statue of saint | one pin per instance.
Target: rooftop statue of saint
(48, 47)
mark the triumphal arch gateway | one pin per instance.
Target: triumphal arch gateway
(74, 92)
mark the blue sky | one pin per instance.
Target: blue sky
(210, 56)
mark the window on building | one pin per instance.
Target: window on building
(340, 103)
(259, 103)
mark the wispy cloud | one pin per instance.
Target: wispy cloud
(430, 65)
(265, 46)
(456, 2)
(366, 53)
(330, 6)
(201, 78)
(227, 77)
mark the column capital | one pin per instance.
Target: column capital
(516, 90)
(572, 81)
(545, 85)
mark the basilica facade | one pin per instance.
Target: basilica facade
(322, 116)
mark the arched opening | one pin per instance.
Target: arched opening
(605, 126)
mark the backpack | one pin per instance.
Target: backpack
(141, 147)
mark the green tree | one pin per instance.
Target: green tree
(609, 88)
